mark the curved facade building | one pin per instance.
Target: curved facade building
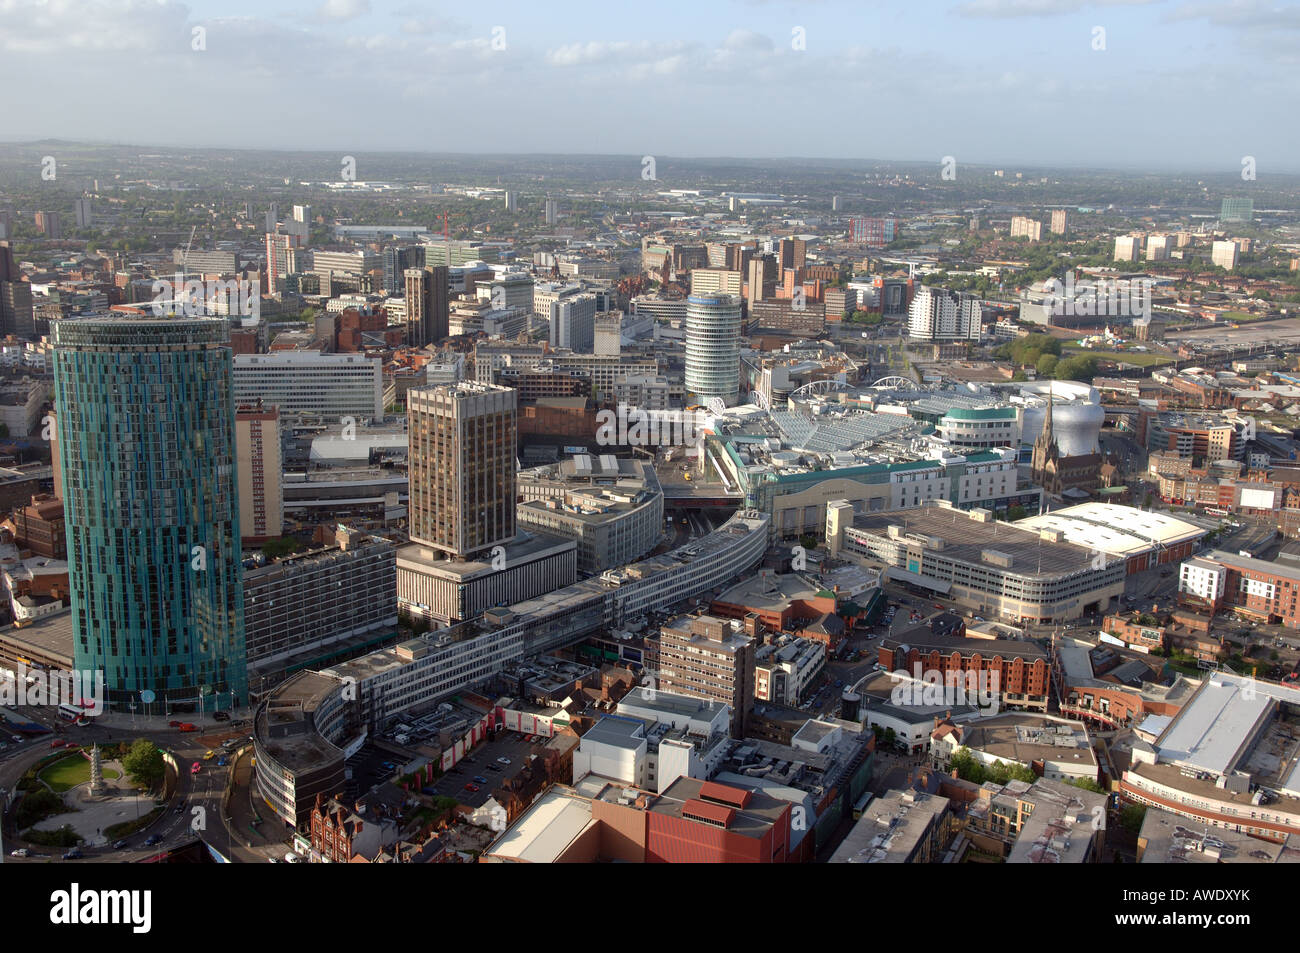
(1077, 415)
(146, 435)
(713, 348)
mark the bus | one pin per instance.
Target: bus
(861, 805)
(1216, 511)
(76, 714)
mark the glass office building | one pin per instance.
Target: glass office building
(146, 438)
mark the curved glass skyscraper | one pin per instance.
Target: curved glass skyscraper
(713, 347)
(145, 429)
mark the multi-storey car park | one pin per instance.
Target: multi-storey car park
(306, 728)
(994, 568)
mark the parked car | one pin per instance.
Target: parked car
(195, 768)
(221, 716)
(74, 854)
(479, 779)
(503, 760)
(472, 788)
(20, 852)
(119, 845)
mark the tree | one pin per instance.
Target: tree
(1016, 512)
(1046, 364)
(1079, 367)
(1088, 784)
(144, 763)
(1131, 817)
(967, 768)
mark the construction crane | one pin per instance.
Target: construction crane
(185, 259)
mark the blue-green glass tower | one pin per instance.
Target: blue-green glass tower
(146, 437)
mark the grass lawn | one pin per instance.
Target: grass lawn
(1128, 357)
(67, 773)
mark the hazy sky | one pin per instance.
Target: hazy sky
(1194, 84)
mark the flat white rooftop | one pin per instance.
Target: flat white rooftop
(1113, 529)
(1212, 729)
(546, 828)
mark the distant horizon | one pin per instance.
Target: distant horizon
(1009, 165)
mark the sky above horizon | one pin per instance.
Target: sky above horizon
(1176, 84)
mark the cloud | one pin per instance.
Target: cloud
(1003, 9)
(1262, 15)
(342, 10)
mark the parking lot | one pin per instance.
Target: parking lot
(480, 763)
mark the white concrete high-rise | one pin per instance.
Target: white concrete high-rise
(1224, 254)
(937, 314)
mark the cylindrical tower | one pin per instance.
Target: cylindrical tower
(146, 420)
(713, 348)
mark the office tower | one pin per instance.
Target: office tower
(573, 323)
(708, 657)
(8, 265)
(272, 217)
(872, 231)
(1158, 248)
(281, 261)
(17, 315)
(835, 203)
(608, 333)
(1060, 221)
(82, 210)
(261, 492)
(299, 225)
(428, 313)
(800, 253)
(461, 466)
(552, 211)
(711, 281)
(1224, 254)
(937, 314)
(785, 254)
(761, 279)
(713, 347)
(146, 442)
(6, 224)
(512, 201)
(309, 382)
(396, 261)
(47, 223)
(1237, 210)
(1024, 227)
(1127, 247)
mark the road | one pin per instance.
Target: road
(193, 811)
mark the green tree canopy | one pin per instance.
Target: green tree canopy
(144, 763)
